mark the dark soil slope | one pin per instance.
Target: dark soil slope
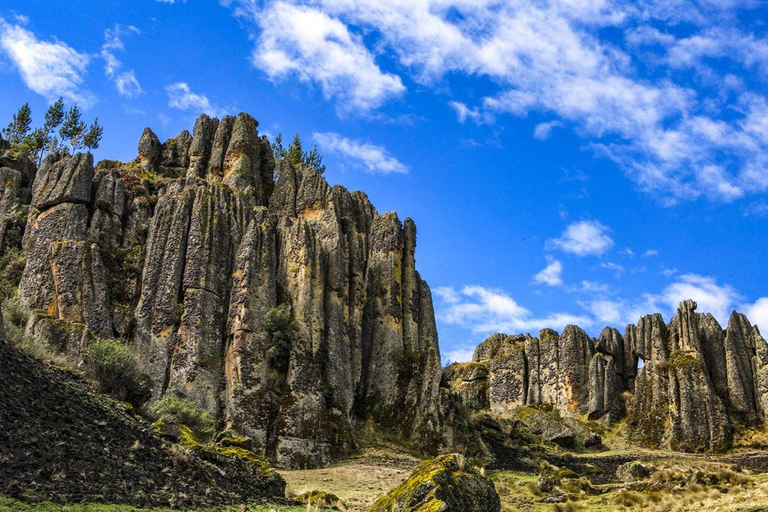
(60, 442)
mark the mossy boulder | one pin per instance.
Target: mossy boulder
(551, 477)
(634, 471)
(244, 463)
(447, 483)
(322, 499)
(548, 425)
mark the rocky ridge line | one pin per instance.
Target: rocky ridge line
(699, 383)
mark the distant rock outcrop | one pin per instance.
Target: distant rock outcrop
(287, 308)
(697, 383)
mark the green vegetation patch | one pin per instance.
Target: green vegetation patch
(170, 409)
(11, 505)
(112, 364)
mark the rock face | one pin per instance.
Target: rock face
(288, 309)
(676, 400)
(16, 176)
(448, 483)
(698, 381)
(552, 369)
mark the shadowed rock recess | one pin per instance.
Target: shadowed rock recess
(698, 384)
(186, 251)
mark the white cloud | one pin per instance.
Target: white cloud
(617, 269)
(49, 68)
(458, 355)
(551, 275)
(372, 158)
(484, 311)
(463, 112)
(650, 253)
(711, 297)
(584, 238)
(606, 311)
(758, 314)
(181, 97)
(637, 101)
(125, 81)
(542, 130)
(307, 43)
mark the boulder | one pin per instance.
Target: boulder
(634, 471)
(322, 499)
(63, 178)
(548, 426)
(448, 483)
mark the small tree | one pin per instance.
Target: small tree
(171, 409)
(73, 129)
(278, 151)
(314, 160)
(112, 364)
(93, 137)
(295, 153)
(42, 141)
(278, 154)
(17, 132)
(45, 140)
(280, 324)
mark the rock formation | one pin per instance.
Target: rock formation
(292, 311)
(448, 483)
(288, 309)
(698, 382)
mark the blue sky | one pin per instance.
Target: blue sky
(566, 161)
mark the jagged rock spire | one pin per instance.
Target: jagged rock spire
(696, 382)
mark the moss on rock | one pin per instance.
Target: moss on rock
(322, 499)
(445, 484)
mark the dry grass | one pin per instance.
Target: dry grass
(680, 484)
(358, 481)
(756, 437)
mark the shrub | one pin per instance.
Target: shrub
(15, 316)
(44, 351)
(171, 409)
(112, 364)
(282, 327)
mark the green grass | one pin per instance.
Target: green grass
(11, 505)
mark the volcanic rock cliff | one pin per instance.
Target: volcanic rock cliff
(287, 308)
(698, 382)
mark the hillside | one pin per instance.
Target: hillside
(60, 441)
